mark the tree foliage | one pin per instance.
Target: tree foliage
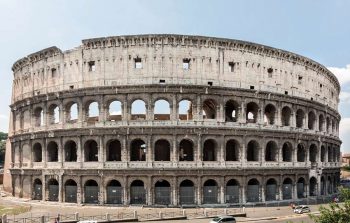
(335, 213)
(3, 137)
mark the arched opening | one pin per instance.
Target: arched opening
(323, 154)
(301, 153)
(252, 110)
(53, 190)
(269, 114)
(186, 150)
(187, 192)
(313, 153)
(253, 191)
(300, 116)
(330, 154)
(210, 192)
(114, 192)
(286, 115)
(91, 151)
(113, 150)
(115, 111)
(72, 112)
(92, 112)
(231, 111)
(38, 190)
(232, 191)
(271, 151)
(52, 152)
(301, 188)
(91, 192)
(137, 192)
(138, 150)
(161, 110)
(253, 151)
(323, 186)
(313, 186)
(70, 151)
(209, 109)
(321, 123)
(287, 152)
(70, 188)
(311, 120)
(138, 110)
(39, 117)
(54, 114)
(328, 125)
(37, 153)
(232, 150)
(162, 192)
(271, 189)
(333, 126)
(329, 185)
(185, 110)
(162, 150)
(209, 150)
(287, 188)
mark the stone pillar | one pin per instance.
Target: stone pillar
(124, 155)
(278, 122)
(80, 151)
(81, 110)
(101, 196)
(125, 198)
(198, 116)
(199, 190)
(222, 191)
(44, 152)
(221, 116)
(79, 191)
(175, 156)
(175, 191)
(174, 109)
(241, 113)
(149, 151)
(149, 189)
(262, 190)
(222, 150)
(43, 189)
(126, 113)
(61, 114)
(199, 150)
(101, 151)
(60, 188)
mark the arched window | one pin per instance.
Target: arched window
(301, 153)
(312, 120)
(70, 191)
(301, 188)
(287, 188)
(138, 150)
(271, 189)
(186, 150)
(92, 112)
(115, 111)
(232, 191)
(286, 114)
(37, 190)
(210, 192)
(162, 150)
(253, 151)
(187, 192)
(209, 109)
(39, 117)
(52, 152)
(91, 151)
(91, 191)
(72, 112)
(209, 150)
(113, 150)
(253, 191)
(269, 114)
(138, 110)
(287, 152)
(70, 151)
(252, 112)
(328, 123)
(137, 192)
(231, 111)
(300, 116)
(271, 151)
(232, 150)
(161, 110)
(321, 123)
(37, 152)
(185, 110)
(114, 192)
(323, 154)
(313, 153)
(162, 192)
(53, 189)
(54, 114)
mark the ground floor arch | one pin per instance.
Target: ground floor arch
(137, 192)
(187, 192)
(162, 192)
(114, 192)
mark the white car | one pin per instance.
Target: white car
(301, 209)
(219, 219)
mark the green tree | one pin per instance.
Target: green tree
(335, 213)
(3, 137)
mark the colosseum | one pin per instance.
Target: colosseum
(172, 120)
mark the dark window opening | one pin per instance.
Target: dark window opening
(138, 63)
(186, 64)
(113, 151)
(53, 72)
(301, 153)
(231, 111)
(186, 150)
(269, 115)
(138, 150)
(271, 151)
(209, 109)
(232, 150)
(52, 152)
(92, 66)
(251, 87)
(91, 151)
(70, 151)
(162, 150)
(209, 150)
(252, 112)
(253, 151)
(231, 66)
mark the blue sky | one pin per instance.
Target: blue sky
(319, 30)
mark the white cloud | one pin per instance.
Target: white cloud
(344, 133)
(344, 97)
(343, 74)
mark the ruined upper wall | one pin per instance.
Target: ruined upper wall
(213, 61)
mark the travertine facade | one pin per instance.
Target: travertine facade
(172, 119)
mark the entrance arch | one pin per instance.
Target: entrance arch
(137, 192)
(114, 192)
(162, 193)
(187, 192)
(210, 192)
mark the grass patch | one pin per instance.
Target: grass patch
(346, 168)
(13, 210)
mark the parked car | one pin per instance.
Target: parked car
(227, 219)
(301, 209)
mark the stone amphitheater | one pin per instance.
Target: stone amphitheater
(172, 120)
